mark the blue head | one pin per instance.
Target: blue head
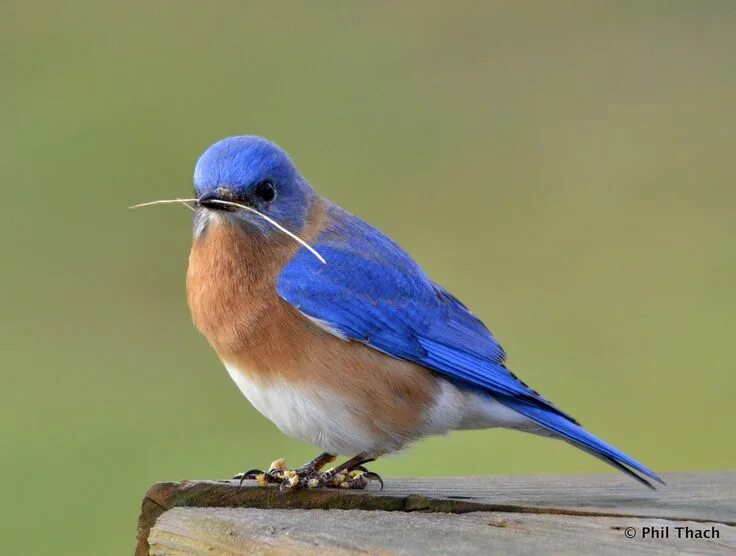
(255, 172)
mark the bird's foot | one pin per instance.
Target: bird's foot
(354, 479)
(310, 476)
(277, 473)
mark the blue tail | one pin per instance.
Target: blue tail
(582, 439)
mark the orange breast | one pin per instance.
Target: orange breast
(231, 285)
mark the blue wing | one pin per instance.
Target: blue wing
(371, 291)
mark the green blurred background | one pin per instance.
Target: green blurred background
(566, 168)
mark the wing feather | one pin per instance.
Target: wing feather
(371, 291)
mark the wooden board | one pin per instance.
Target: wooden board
(225, 531)
(584, 499)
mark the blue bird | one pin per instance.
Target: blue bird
(334, 333)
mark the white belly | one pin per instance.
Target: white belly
(322, 417)
(336, 425)
(458, 409)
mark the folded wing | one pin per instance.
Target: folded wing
(371, 291)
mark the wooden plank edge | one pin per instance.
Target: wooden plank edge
(217, 494)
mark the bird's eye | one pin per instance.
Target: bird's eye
(265, 191)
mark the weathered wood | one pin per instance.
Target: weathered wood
(707, 497)
(224, 531)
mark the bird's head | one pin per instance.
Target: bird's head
(252, 172)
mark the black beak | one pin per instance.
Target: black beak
(208, 200)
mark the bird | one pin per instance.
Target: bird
(336, 335)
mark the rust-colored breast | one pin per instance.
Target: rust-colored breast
(231, 285)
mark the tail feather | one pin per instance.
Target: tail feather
(579, 437)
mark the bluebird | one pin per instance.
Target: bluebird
(335, 334)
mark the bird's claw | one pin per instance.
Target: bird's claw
(308, 477)
(276, 473)
(248, 475)
(356, 479)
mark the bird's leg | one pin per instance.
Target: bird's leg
(279, 473)
(313, 467)
(350, 474)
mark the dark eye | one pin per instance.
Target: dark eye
(265, 191)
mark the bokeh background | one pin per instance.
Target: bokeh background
(566, 168)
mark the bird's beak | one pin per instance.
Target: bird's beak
(219, 194)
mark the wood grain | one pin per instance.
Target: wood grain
(225, 531)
